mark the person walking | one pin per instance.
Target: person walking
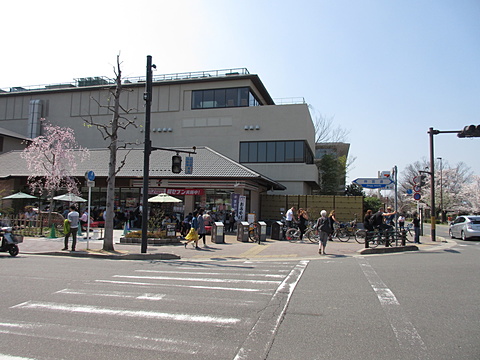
(192, 235)
(323, 226)
(416, 227)
(201, 227)
(73, 218)
(368, 225)
(231, 221)
(302, 221)
(332, 220)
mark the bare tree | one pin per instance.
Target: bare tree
(325, 132)
(110, 133)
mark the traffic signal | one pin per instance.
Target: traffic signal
(176, 164)
(470, 131)
(423, 178)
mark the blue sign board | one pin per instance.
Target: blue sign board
(373, 183)
(188, 165)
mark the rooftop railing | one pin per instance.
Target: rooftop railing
(102, 80)
(290, 101)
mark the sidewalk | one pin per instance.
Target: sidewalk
(230, 250)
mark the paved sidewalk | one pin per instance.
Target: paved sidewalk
(230, 250)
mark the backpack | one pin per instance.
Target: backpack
(323, 224)
(376, 219)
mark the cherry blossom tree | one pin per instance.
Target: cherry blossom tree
(470, 195)
(457, 189)
(52, 159)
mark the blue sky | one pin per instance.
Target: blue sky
(386, 71)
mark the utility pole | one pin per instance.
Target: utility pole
(147, 96)
(441, 188)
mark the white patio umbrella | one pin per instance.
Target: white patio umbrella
(69, 197)
(164, 198)
(20, 195)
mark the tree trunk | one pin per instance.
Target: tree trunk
(110, 205)
(112, 166)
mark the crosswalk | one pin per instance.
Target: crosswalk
(161, 310)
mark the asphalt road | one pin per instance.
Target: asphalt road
(415, 305)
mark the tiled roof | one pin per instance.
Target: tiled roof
(207, 164)
(13, 134)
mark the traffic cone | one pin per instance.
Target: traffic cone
(53, 233)
(126, 229)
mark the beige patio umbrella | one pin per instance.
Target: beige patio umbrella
(69, 197)
(20, 195)
(164, 198)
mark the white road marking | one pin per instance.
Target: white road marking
(407, 336)
(113, 337)
(97, 310)
(178, 285)
(212, 273)
(118, 294)
(260, 338)
(8, 357)
(210, 280)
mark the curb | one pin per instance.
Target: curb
(84, 254)
(386, 250)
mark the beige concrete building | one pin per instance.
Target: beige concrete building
(229, 111)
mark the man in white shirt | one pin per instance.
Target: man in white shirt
(290, 216)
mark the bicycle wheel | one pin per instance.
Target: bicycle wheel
(343, 235)
(292, 234)
(410, 236)
(360, 236)
(312, 236)
(375, 240)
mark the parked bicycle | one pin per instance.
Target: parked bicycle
(381, 237)
(345, 231)
(293, 234)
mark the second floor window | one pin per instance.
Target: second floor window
(221, 98)
(290, 151)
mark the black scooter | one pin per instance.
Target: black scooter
(9, 241)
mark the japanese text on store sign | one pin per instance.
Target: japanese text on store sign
(185, 191)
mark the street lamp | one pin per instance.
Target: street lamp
(441, 189)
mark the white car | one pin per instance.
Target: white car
(465, 227)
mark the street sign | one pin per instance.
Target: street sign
(90, 175)
(416, 179)
(90, 184)
(188, 165)
(417, 196)
(373, 183)
(409, 191)
(417, 188)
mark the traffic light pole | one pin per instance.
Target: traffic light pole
(147, 96)
(433, 221)
(468, 131)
